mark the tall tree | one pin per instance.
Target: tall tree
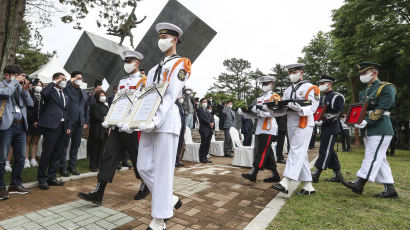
(236, 80)
(282, 80)
(377, 32)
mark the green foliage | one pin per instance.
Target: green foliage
(29, 55)
(282, 80)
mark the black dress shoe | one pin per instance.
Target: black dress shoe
(228, 155)
(55, 182)
(338, 177)
(356, 186)
(90, 197)
(74, 171)
(64, 173)
(208, 161)
(305, 192)
(43, 185)
(271, 179)
(282, 161)
(388, 192)
(142, 193)
(280, 188)
(316, 174)
(94, 170)
(203, 162)
(119, 167)
(178, 204)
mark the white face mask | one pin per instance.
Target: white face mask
(38, 89)
(62, 84)
(188, 92)
(129, 67)
(181, 100)
(366, 78)
(78, 82)
(229, 106)
(204, 105)
(210, 111)
(103, 98)
(266, 88)
(323, 87)
(165, 44)
(12, 78)
(294, 77)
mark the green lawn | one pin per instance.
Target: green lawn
(336, 207)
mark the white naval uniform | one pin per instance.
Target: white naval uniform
(130, 83)
(262, 116)
(297, 164)
(157, 149)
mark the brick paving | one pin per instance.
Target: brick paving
(214, 196)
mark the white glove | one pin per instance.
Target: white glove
(362, 125)
(295, 106)
(146, 127)
(318, 123)
(126, 129)
(105, 124)
(254, 109)
(265, 108)
(120, 124)
(240, 111)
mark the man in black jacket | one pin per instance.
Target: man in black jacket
(55, 122)
(206, 130)
(179, 103)
(78, 111)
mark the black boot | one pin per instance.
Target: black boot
(142, 192)
(251, 175)
(316, 175)
(274, 178)
(338, 177)
(388, 192)
(95, 196)
(356, 186)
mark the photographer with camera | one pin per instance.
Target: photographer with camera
(14, 97)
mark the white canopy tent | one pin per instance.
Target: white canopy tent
(45, 73)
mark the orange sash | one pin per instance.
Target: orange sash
(187, 68)
(268, 120)
(142, 81)
(304, 119)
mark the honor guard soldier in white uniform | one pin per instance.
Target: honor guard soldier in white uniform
(159, 139)
(377, 132)
(330, 128)
(300, 127)
(266, 130)
(120, 138)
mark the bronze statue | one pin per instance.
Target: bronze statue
(124, 30)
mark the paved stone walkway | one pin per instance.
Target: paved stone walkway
(214, 196)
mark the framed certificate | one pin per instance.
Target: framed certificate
(147, 104)
(120, 108)
(356, 113)
(320, 111)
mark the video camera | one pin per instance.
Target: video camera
(33, 81)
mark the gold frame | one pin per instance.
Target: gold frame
(111, 121)
(162, 88)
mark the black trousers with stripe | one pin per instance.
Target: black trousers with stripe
(265, 158)
(327, 154)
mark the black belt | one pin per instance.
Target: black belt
(17, 121)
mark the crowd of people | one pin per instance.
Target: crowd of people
(61, 111)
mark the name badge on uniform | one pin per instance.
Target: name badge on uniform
(182, 75)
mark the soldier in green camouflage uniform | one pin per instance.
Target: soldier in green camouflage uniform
(377, 132)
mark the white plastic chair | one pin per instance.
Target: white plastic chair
(191, 148)
(243, 155)
(216, 148)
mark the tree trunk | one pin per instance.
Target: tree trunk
(4, 21)
(354, 100)
(15, 26)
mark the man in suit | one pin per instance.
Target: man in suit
(229, 121)
(14, 97)
(55, 123)
(206, 130)
(78, 112)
